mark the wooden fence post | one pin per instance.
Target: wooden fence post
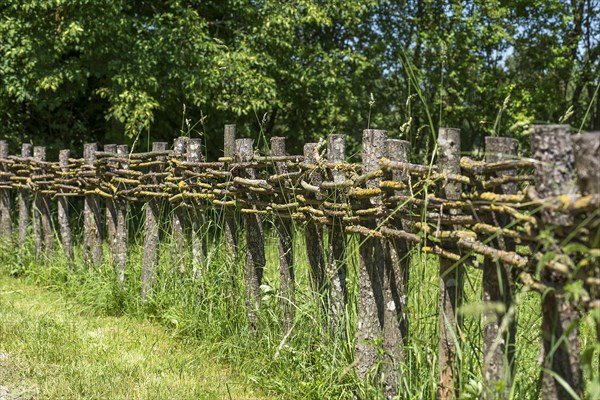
(231, 233)
(396, 272)
(36, 211)
(399, 150)
(151, 232)
(63, 210)
(194, 154)
(92, 228)
(587, 161)
(587, 164)
(43, 228)
(24, 202)
(371, 268)
(554, 176)
(284, 229)
(178, 227)
(5, 197)
(498, 346)
(336, 261)
(111, 211)
(121, 225)
(255, 245)
(451, 274)
(314, 231)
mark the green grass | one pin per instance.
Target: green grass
(310, 362)
(52, 348)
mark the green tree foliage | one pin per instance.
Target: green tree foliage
(86, 67)
(110, 70)
(490, 67)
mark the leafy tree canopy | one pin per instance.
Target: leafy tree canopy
(112, 70)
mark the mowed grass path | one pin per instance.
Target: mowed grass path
(51, 348)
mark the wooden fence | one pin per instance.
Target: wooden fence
(470, 213)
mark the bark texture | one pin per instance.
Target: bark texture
(498, 344)
(587, 161)
(178, 226)
(314, 231)
(151, 233)
(397, 259)
(111, 211)
(554, 176)
(336, 261)
(24, 202)
(194, 154)
(372, 308)
(587, 164)
(42, 224)
(451, 274)
(5, 198)
(92, 220)
(63, 211)
(121, 226)
(255, 244)
(284, 229)
(395, 275)
(231, 234)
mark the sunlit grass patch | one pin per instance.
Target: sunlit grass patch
(56, 349)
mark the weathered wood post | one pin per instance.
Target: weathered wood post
(314, 231)
(178, 226)
(42, 223)
(194, 155)
(395, 280)
(255, 247)
(121, 224)
(5, 196)
(63, 209)
(554, 176)
(151, 229)
(92, 221)
(284, 229)
(498, 345)
(398, 248)
(451, 274)
(110, 209)
(230, 228)
(587, 161)
(587, 164)
(36, 210)
(371, 267)
(24, 202)
(336, 261)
